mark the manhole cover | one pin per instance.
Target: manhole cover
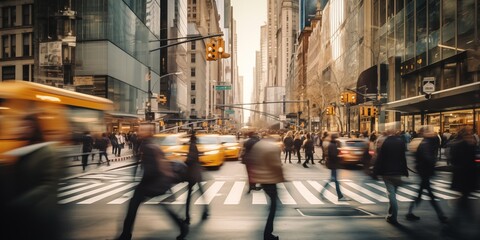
(334, 212)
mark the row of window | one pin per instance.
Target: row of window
(9, 45)
(8, 72)
(9, 16)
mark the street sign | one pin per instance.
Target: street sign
(223, 87)
(229, 111)
(429, 85)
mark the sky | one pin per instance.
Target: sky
(250, 15)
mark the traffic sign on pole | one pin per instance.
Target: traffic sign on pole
(429, 85)
(223, 87)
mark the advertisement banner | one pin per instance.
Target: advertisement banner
(50, 54)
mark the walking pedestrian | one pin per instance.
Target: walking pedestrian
(309, 147)
(114, 142)
(247, 147)
(391, 164)
(297, 145)
(288, 144)
(102, 145)
(155, 181)
(425, 165)
(194, 176)
(87, 146)
(265, 167)
(333, 163)
(120, 142)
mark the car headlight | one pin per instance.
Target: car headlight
(212, 152)
(232, 148)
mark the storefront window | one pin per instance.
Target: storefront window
(434, 121)
(454, 121)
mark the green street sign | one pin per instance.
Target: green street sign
(229, 111)
(223, 87)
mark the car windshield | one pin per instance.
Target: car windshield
(208, 140)
(166, 140)
(357, 144)
(228, 139)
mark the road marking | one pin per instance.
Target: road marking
(367, 192)
(211, 192)
(71, 186)
(77, 197)
(125, 197)
(412, 193)
(259, 198)
(174, 190)
(312, 199)
(327, 194)
(107, 194)
(436, 194)
(384, 190)
(284, 195)
(352, 195)
(182, 199)
(447, 185)
(235, 194)
(79, 189)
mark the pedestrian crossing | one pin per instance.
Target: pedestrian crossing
(233, 192)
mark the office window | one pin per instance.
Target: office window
(192, 57)
(5, 13)
(26, 44)
(192, 72)
(192, 100)
(26, 70)
(193, 45)
(5, 52)
(192, 87)
(13, 45)
(8, 72)
(26, 14)
(13, 16)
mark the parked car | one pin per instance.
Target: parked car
(352, 150)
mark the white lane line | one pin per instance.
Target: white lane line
(446, 187)
(437, 194)
(79, 189)
(125, 197)
(327, 194)
(259, 197)
(71, 186)
(235, 193)
(353, 195)
(174, 189)
(107, 194)
(182, 199)
(412, 193)
(384, 190)
(77, 197)
(312, 199)
(367, 192)
(210, 193)
(284, 195)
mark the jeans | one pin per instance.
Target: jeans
(333, 178)
(271, 191)
(425, 184)
(101, 154)
(288, 152)
(391, 183)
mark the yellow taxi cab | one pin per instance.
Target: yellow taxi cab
(175, 146)
(211, 151)
(232, 146)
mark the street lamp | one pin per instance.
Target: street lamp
(149, 116)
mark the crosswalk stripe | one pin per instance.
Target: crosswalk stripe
(444, 188)
(235, 193)
(182, 199)
(367, 192)
(384, 190)
(125, 197)
(312, 199)
(353, 195)
(176, 188)
(437, 194)
(77, 197)
(412, 193)
(327, 194)
(107, 194)
(71, 186)
(284, 195)
(79, 189)
(259, 198)
(210, 193)
(447, 185)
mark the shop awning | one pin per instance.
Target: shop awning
(461, 97)
(368, 81)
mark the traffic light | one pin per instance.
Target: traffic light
(212, 50)
(348, 97)
(221, 49)
(344, 97)
(330, 110)
(162, 99)
(362, 110)
(374, 111)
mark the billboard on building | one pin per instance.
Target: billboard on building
(50, 54)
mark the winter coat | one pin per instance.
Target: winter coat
(464, 177)
(194, 167)
(87, 143)
(391, 160)
(333, 161)
(288, 143)
(265, 165)
(297, 143)
(425, 157)
(156, 169)
(102, 144)
(309, 146)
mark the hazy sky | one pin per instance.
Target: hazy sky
(250, 15)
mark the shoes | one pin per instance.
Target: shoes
(183, 231)
(342, 199)
(289, 161)
(412, 217)
(124, 236)
(299, 162)
(391, 220)
(271, 237)
(305, 165)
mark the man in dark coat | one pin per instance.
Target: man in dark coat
(156, 180)
(102, 145)
(333, 163)
(391, 164)
(87, 146)
(309, 147)
(288, 144)
(425, 160)
(253, 138)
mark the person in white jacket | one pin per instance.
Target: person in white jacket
(121, 142)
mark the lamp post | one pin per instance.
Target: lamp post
(149, 116)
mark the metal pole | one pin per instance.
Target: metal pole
(308, 116)
(149, 107)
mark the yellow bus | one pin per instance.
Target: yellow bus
(64, 115)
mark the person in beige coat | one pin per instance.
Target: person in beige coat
(265, 168)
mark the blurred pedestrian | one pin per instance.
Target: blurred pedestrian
(309, 147)
(87, 146)
(253, 138)
(29, 179)
(114, 142)
(333, 162)
(464, 180)
(120, 143)
(194, 176)
(297, 145)
(265, 167)
(288, 145)
(102, 145)
(156, 180)
(425, 161)
(391, 164)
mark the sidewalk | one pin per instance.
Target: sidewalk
(73, 166)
